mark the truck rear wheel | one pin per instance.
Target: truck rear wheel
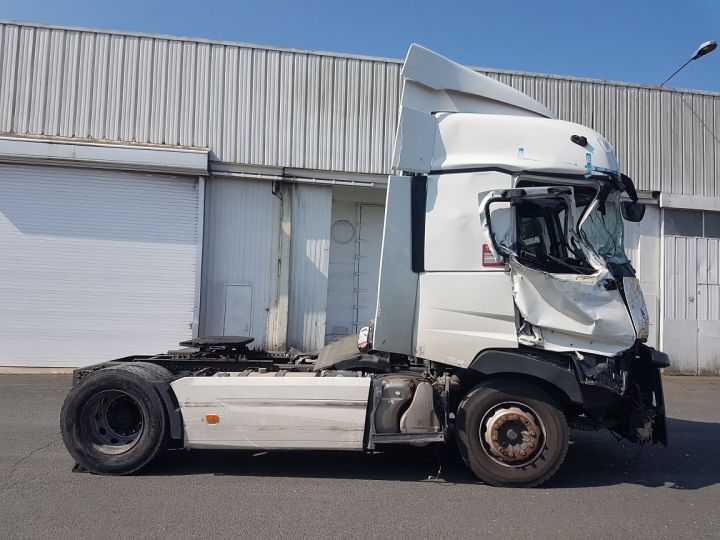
(511, 433)
(114, 421)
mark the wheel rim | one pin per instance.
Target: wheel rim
(112, 422)
(512, 434)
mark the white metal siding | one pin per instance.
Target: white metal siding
(692, 267)
(692, 303)
(370, 235)
(249, 104)
(679, 313)
(94, 265)
(341, 271)
(291, 108)
(310, 246)
(242, 219)
(355, 244)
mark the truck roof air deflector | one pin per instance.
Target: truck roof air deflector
(433, 84)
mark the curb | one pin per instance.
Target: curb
(35, 371)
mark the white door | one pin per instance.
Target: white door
(341, 271)
(691, 330)
(238, 311)
(355, 242)
(94, 265)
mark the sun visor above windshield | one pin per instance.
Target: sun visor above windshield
(432, 84)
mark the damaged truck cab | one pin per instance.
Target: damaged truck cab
(507, 313)
(509, 260)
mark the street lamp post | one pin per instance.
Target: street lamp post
(702, 50)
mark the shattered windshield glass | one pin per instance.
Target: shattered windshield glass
(604, 229)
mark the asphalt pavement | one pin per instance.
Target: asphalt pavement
(606, 489)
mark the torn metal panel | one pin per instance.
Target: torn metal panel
(572, 311)
(636, 306)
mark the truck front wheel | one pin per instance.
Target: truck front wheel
(511, 433)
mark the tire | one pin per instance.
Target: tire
(114, 422)
(160, 374)
(155, 372)
(500, 419)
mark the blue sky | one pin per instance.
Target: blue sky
(632, 40)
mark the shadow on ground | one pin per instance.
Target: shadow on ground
(692, 461)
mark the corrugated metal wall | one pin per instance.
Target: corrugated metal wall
(309, 262)
(249, 105)
(692, 271)
(242, 231)
(692, 304)
(242, 220)
(296, 109)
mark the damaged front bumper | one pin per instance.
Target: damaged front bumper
(625, 393)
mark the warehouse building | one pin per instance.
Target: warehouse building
(156, 188)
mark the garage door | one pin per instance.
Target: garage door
(94, 265)
(355, 243)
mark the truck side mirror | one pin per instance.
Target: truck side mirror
(632, 211)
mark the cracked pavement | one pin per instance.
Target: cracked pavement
(605, 489)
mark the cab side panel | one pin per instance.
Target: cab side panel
(463, 306)
(463, 313)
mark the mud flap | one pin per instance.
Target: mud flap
(651, 362)
(660, 428)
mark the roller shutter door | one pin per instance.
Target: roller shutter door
(94, 265)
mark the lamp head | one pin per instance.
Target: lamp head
(704, 48)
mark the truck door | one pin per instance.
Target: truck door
(565, 296)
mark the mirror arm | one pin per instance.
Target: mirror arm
(605, 190)
(629, 187)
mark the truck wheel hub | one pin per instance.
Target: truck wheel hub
(112, 421)
(512, 435)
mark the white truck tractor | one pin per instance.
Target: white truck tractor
(507, 313)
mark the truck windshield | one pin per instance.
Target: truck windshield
(604, 230)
